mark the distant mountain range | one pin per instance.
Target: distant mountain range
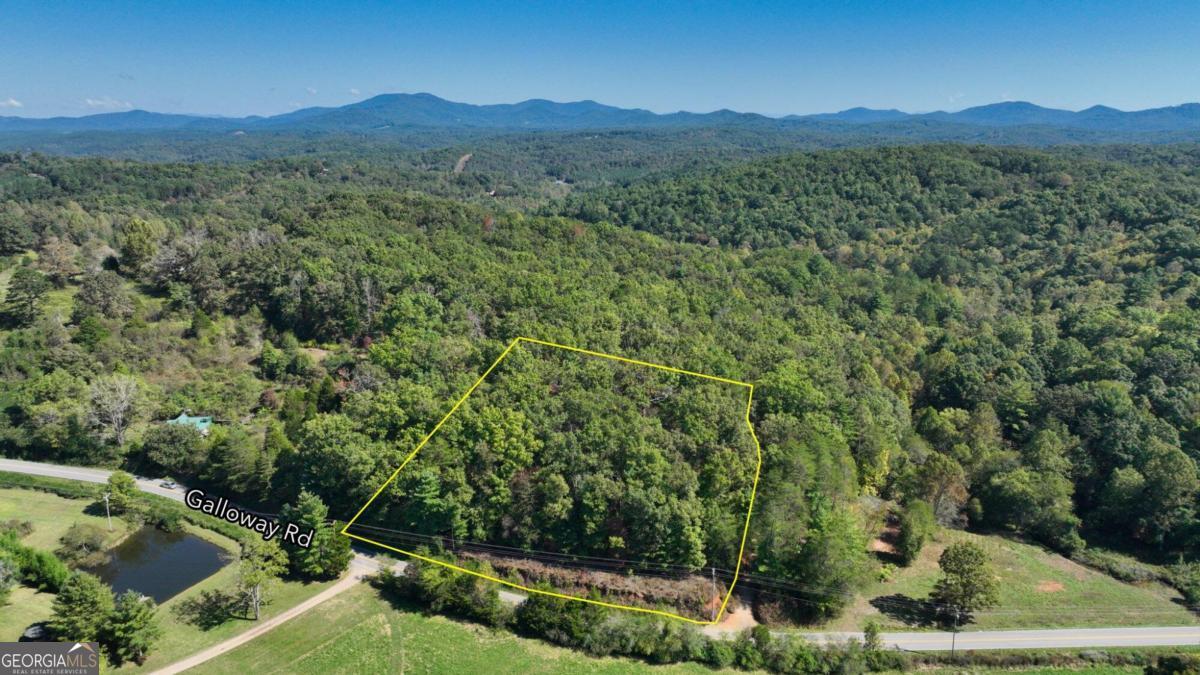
(417, 111)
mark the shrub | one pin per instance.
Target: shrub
(83, 545)
(886, 573)
(719, 654)
(8, 576)
(43, 570)
(1118, 566)
(1176, 664)
(1186, 578)
(21, 528)
(791, 655)
(165, 518)
(564, 622)
(449, 591)
(39, 569)
(746, 654)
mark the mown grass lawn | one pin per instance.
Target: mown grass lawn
(1038, 589)
(360, 632)
(25, 606)
(182, 639)
(51, 515)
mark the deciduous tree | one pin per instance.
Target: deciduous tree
(262, 563)
(115, 405)
(968, 582)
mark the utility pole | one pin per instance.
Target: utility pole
(713, 570)
(954, 631)
(107, 513)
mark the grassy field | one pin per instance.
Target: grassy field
(1038, 589)
(182, 639)
(1103, 669)
(360, 632)
(51, 515)
(25, 606)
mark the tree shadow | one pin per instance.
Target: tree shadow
(909, 611)
(210, 609)
(1182, 602)
(37, 632)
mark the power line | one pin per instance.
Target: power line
(798, 591)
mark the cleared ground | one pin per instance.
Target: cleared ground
(361, 632)
(1038, 589)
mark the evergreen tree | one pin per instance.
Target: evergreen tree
(132, 628)
(329, 553)
(917, 525)
(81, 608)
(26, 290)
(139, 242)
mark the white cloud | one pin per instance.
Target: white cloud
(355, 91)
(11, 102)
(107, 103)
(310, 91)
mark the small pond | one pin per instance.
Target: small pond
(160, 564)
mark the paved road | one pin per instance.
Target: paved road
(1059, 638)
(87, 475)
(366, 563)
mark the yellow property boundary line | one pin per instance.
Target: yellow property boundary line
(745, 528)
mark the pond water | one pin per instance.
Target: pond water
(160, 564)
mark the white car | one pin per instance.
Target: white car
(168, 484)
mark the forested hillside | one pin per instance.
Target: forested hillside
(1070, 341)
(563, 452)
(1010, 336)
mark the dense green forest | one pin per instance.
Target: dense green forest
(562, 452)
(1060, 378)
(1010, 336)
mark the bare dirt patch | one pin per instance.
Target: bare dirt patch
(316, 353)
(1049, 587)
(737, 617)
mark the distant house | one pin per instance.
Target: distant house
(201, 424)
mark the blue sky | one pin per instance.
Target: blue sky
(239, 58)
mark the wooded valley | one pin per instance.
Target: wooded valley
(1007, 339)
